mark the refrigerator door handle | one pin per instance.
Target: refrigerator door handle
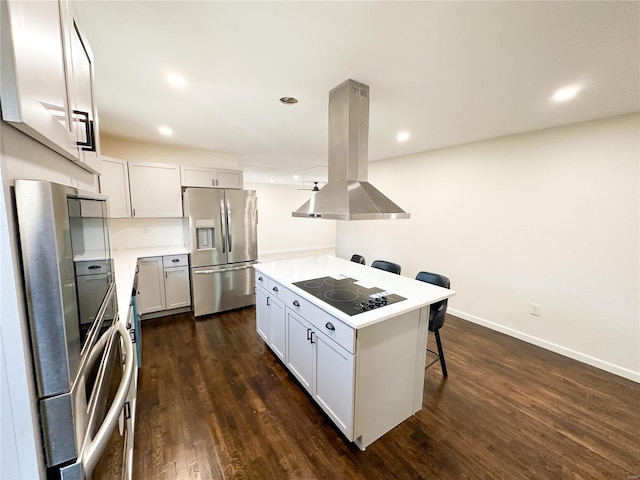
(223, 226)
(229, 239)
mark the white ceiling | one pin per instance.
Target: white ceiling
(448, 72)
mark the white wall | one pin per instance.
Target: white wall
(278, 231)
(156, 232)
(549, 217)
(155, 152)
(146, 232)
(23, 157)
(20, 448)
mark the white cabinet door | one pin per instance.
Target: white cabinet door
(334, 380)
(210, 177)
(196, 176)
(300, 350)
(33, 89)
(151, 285)
(262, 313)
(176, 287)
(277, 328)
(228, 179)
(271, 322)
(114, 183)
(84, 113)
(155, 190)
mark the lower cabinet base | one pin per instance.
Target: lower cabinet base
(164, 313)
(390, 365)
(385, 375)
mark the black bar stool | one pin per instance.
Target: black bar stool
(437, 314)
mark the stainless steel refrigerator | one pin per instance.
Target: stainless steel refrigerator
(222, 241)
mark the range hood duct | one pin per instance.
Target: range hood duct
(348, 195)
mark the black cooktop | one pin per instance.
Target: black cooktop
(346, 295)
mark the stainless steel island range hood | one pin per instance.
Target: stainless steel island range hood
(348, 195)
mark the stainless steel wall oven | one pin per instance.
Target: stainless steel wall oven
(82, 354)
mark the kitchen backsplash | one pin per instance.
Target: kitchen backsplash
(146, 232)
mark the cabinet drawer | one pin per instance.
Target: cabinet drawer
(277, 290)
(91, 267)
(175, 260)
(262, 280)
(322, 321)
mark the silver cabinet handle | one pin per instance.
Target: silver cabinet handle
(261, 279)
(275, 289)
(175, 260)
(330, 326)
(308, 334)
(312, 337)
(296, 303)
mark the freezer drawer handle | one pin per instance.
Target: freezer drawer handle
(330, 326)
(275, 289)
(296, 303)
(201, 272)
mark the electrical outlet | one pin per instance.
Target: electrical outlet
(536, 310)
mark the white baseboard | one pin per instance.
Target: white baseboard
(299, 249)
(581, 357)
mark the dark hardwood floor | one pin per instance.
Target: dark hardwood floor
(214, 403)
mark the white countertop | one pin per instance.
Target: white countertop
(125, 261)
(418, 294)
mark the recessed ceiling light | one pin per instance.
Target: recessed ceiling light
(176, 80)
(166, 131)
(296, 177)
(566, 93)
(403, 136)
(289, 100)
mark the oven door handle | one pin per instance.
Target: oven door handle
(94, 447)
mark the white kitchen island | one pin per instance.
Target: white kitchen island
(366, 371)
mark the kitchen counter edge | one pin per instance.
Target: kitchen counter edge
(418, 294)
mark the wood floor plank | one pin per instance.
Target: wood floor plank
(214, 403)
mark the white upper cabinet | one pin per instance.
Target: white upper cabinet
(84, 113)
(210, 177)
(155, 190)
(47, 76)
(33, 84)
(114, 183)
